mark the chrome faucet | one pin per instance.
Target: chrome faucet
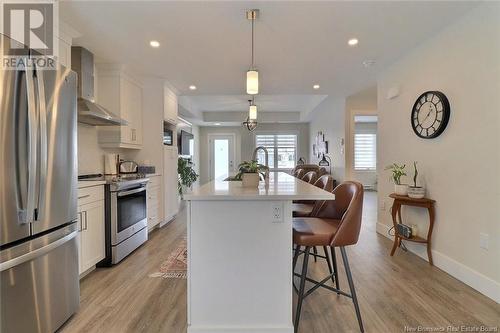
(254, 158)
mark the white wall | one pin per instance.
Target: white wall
(90, 154)
(329, 117)
(461, 167)
(245, 142)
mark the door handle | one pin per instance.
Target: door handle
(43, 145)
(32, 156)
(37, 253)
(137, 190)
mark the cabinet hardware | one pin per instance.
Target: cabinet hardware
(80, 217)
(84, 196)
(86, 221)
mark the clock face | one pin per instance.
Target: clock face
(430, 114)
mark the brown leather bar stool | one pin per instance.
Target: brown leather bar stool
(304, 207)
(310, 177)
(336, 223)
(300, 173)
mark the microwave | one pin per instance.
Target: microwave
(168, 137)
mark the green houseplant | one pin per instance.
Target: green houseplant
(187, 175)
(250, 173)
(416, 192)
(398, 171)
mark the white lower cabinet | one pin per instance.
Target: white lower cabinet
(155, 210)
(170, 181)
(91, 236)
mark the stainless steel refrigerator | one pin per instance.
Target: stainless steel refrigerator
(38, 199)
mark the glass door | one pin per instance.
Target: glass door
(221, 156)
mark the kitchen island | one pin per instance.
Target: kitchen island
(240, 254)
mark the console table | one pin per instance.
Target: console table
(399, 201)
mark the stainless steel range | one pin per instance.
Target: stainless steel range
(126, 215)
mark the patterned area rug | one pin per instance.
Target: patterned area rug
(175, 267)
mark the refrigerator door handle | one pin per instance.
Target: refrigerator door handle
(32, 147)
(43, 160)
(37, 253)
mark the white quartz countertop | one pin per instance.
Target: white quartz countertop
(282, 186)
(89, 183)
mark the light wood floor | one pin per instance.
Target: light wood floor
(393, 292)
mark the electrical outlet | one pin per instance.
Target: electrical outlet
(278, 212)
(484, 241)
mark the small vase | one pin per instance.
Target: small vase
(250, 180)
(417, 192)
(401, 189)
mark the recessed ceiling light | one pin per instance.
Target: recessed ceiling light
(154, 43)
(352, 42)
(368, 63)
(316, 86)
(192, 87)
(217, 124)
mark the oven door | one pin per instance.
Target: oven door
(128, 213)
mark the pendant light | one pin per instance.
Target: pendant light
(325, 162)
(252, 73)
(252, 110)
(251, 122)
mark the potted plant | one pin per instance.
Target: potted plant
(398, 171)
(416, 192)
(187, 175)
(250, 173)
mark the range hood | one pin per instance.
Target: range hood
(89, 112)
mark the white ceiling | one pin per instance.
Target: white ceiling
(298, 44)
(276, 103)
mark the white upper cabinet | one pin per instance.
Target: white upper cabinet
(170, 107)
(122, 95)
(64, 39)
(64, 56)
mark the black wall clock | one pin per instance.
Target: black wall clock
(430, 114)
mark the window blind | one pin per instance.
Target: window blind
(365, 151)
(282, 150)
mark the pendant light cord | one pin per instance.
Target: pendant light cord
(253, 19)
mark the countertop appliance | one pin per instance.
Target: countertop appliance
(89, 112)
(128, 167)
(126, 214)
(38, 198)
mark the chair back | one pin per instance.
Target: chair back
(322, 171)
(310, 177)
(300, 173)
(348, 208)
(306, 168)
(325, 182)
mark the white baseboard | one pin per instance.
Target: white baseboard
(486, 286)
(238, 329)
(167, 221)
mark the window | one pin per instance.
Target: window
(365, 151)
(282, 149)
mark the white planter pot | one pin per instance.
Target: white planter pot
(250, 180)
(401, 189)
(416, 192)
